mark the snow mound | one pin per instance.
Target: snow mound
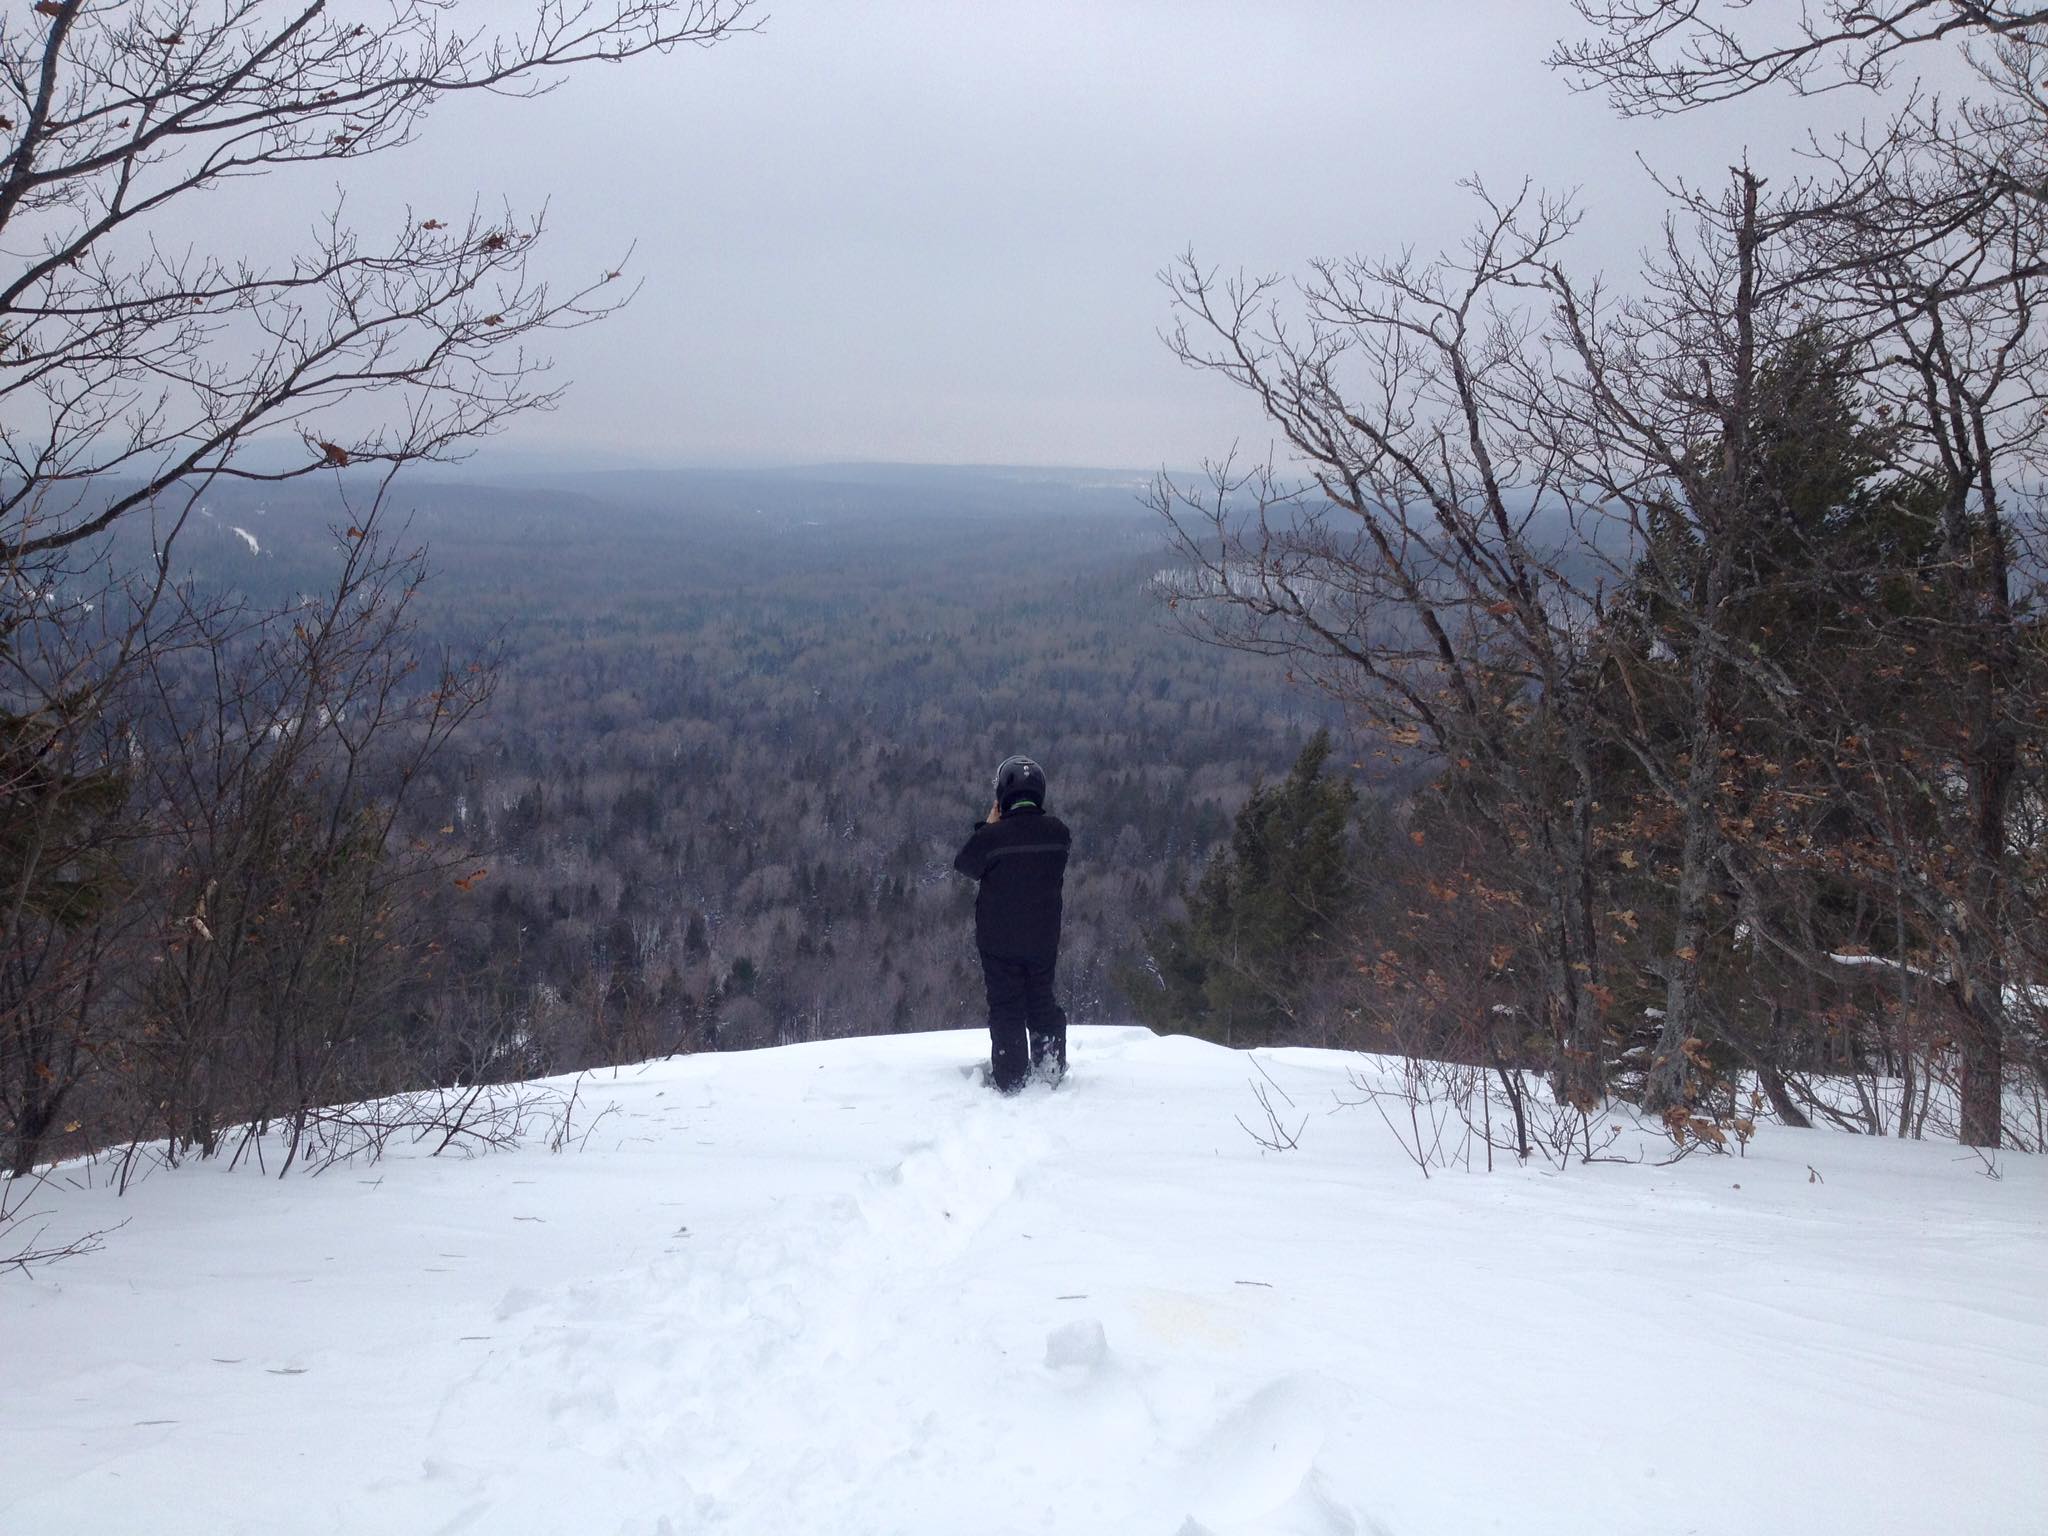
(1084, 1345)
(843, 1288)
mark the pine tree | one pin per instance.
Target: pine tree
(58, 874)
(1836, 553)
(1264, 920)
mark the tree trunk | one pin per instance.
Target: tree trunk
(1669, 1079)
(1776, 1090)
(1993, 756)
(1983, 1074)
(1724, 519)
(1979, 991)
(30, 1131)
(1580, 1075)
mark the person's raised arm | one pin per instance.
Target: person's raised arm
(972, 859)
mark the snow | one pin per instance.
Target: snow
(1885, 962)
(2016, 994)
(841, 1288)
(250, 539)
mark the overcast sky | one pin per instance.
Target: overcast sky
(929, 230)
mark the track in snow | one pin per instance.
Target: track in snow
(843, 1288)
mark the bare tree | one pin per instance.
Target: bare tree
(200, 898)
(1661, 56)
(133, 357)
(1696, 419)
(1419, 574)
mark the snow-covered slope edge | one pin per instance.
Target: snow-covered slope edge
(841, 1288)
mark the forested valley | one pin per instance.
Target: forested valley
(742, 724)
(718, 738)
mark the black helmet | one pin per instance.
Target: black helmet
(1020, 781)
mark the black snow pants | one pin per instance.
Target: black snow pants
(1021, 1005)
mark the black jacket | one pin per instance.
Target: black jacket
(1021, 862)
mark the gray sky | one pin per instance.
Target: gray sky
(924, 231)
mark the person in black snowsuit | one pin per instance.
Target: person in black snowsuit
(1019, 854)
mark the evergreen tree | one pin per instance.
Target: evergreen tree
(1264, 920)
(58, 874)
(1837, 556)
(55, 864)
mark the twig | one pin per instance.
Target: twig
(1276, 1137)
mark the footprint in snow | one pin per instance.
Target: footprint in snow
(1255, 1472)
(933, 1201)
(517, 1300)
(1080, 1345)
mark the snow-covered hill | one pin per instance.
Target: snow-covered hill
(841, 1288)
